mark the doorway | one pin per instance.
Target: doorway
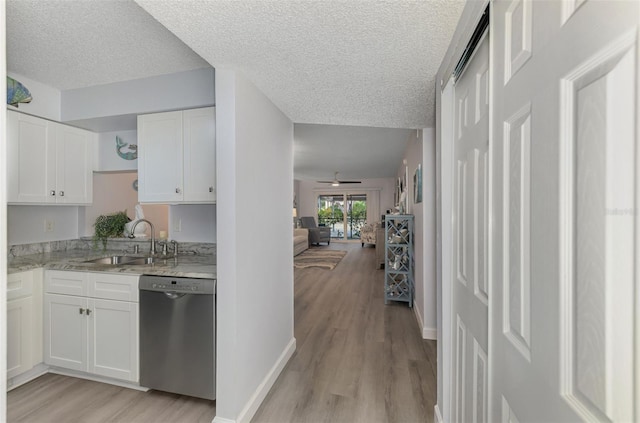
(345, 213)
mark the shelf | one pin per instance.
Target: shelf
(399, 283)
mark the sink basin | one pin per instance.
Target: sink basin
(128, 260)
(143, 260)
(112, 260)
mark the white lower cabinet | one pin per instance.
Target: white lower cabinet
(96, 332)
(24, 321)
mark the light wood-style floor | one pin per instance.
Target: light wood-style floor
(357, 360)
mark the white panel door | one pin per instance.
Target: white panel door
(564, 286)
(31, 160)
(160, 157)
(200, 155)
(74, 170)
(113, 339)
(65, 331)
(20, 327)
(469, 287)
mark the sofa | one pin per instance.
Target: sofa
(300, 240)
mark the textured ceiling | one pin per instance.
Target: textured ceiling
(365, 63)
(357, 63)
(78, 43)
(356, 152)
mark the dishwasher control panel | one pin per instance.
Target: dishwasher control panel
(177, 285)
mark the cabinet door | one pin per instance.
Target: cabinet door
(30, 160)
(74, 165)
(65, 331)
(19, 336)
(200, 155)
(160, 157)
(113, 339)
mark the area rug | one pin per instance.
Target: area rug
(313, 257)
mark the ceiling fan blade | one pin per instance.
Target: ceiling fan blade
(350, 182)
(325, 182)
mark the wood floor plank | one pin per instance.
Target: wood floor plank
(357, 360)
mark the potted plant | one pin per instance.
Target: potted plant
(109, 226)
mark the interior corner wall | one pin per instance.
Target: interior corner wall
(254, 161)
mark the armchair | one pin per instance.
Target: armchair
(368, 233)
(316, 234)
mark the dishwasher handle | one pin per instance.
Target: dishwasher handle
(174, 295)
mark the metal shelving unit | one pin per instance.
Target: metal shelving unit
(399, 259)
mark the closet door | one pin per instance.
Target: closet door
(565, 183)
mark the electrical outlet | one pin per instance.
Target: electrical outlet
(49, 225)
(177, 225)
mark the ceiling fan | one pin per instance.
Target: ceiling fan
(336, 182)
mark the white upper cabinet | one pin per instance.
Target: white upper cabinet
(74, 160)
(176, 157)
(48, 162)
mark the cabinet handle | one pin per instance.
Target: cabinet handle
(81, 310)
(52, 193)
(210, 189)
(88, 311)
(177, 190)
(61, 193)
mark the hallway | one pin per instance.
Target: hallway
(357, 360)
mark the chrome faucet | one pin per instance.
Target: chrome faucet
(152, 250)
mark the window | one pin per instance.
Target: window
(344, 213)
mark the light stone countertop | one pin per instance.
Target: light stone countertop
(188, 265)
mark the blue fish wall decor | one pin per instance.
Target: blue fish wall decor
(17, 93)
(129, 155)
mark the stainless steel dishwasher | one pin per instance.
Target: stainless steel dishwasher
(177, 335)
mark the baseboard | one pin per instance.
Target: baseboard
(217, 419)
(96, 378)
(437, 415)
(427, 333)
(37, 371)
(430, 333)
(261, 392)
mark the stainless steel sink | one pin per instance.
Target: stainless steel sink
(112, 260)
(143, 260)
(128, 260)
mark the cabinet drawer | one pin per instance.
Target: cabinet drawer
(64, 282)
(19, 285)
(113, 287)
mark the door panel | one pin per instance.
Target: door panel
(470, 294)
(65, 334)
(565, 192)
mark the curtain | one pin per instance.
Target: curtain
(373, 206)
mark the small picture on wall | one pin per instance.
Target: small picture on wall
(417, 185)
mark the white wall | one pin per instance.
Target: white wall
(197, 222)
(429, 232)
(26, 223)
(308, 193)
(46, 99)
(254, 158)
(421, 150)
(183, 90)
(107, 155)
(3, 220)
